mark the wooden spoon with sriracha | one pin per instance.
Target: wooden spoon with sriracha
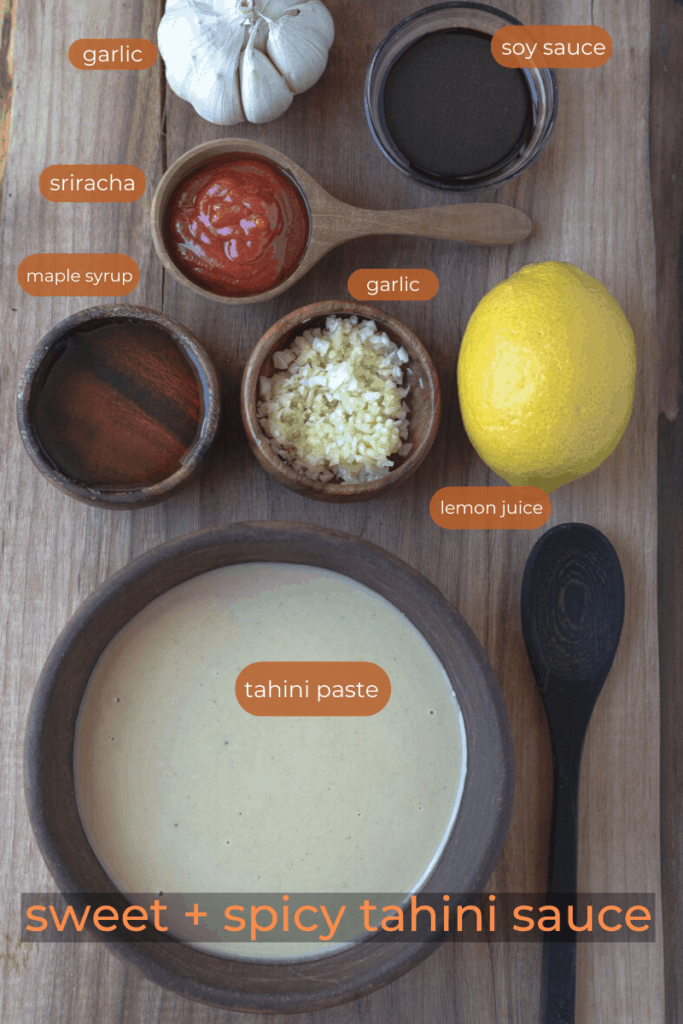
(331, 221)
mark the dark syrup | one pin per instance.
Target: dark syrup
(451, 110)
(119, 406)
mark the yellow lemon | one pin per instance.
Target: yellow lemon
(546, 375)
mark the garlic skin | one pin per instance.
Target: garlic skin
(298, 44)
(243, 59)
(265, 94)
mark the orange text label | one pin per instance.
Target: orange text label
(78, 273)
(112, 54)
(551, 46)
(315, 688)
(490, 508)
(401, 285)
(92, 183)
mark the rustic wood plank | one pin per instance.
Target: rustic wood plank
(666, 126)
(6, 74)
(55, 551)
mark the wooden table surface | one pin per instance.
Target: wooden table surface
(590, 200)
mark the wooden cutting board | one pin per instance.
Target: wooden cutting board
(588, 197)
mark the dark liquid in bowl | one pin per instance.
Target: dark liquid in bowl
(119, 406)
(452, 110)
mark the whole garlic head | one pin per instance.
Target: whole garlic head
(243, 59)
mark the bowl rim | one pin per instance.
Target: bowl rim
(286, 327)
(373, 109)
(476, 837)
(135, 497)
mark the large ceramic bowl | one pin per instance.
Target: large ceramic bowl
(473, 843)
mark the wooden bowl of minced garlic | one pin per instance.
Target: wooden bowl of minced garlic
(340, 401)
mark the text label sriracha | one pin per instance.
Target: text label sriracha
(92, 183)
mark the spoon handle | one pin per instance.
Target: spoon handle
(558, 982)
(567, 743)
(479, 223)
(558, 987)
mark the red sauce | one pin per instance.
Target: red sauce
(237, 226)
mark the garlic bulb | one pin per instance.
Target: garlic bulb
(243, 59)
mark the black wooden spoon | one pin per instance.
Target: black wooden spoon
(572, 614)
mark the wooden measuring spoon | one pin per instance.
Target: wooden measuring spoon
(333, 222)
(572, 614)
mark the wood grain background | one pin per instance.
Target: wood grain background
(589, 198)
(666, 132)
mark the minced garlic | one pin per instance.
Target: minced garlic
(338, 407)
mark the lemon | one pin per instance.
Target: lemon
(546, 375)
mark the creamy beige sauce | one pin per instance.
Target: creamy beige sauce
(181, 790)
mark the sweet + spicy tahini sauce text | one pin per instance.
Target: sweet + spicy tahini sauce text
(238, 226)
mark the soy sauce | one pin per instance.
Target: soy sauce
(119, 406)
(451, 110)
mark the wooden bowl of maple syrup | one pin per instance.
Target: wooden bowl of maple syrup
(118, 406)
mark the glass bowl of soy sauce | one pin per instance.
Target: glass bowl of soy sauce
(444, 112)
